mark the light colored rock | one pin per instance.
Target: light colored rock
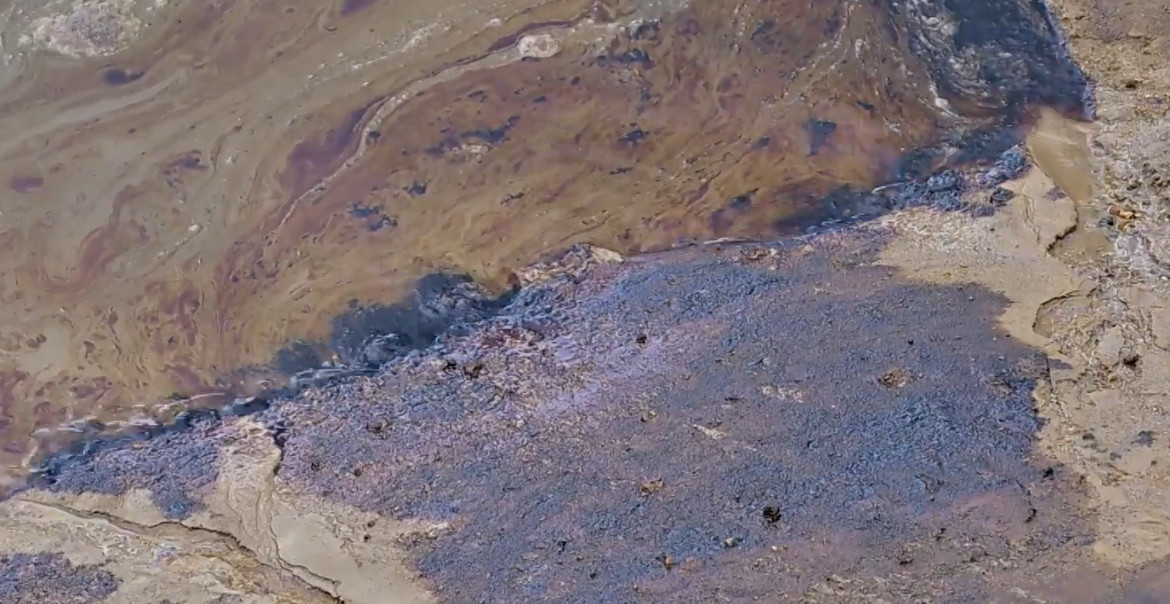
(538, 46)
(1110, 345)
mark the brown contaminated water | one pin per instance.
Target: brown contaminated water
(1060, 147)
(191, 186)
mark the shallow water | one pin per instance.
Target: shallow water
(194, 186)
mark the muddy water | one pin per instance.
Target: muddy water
(1060, 148)
(193, 186)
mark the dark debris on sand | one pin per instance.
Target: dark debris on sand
(51, 579)
(176, 463)
(751, 423)
(657, 430)
(740, 422)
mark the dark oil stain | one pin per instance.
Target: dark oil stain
(819, 132)
(708, 446)
(1021, 58)
(297, 357)
(647, 30)
(736, 445)
(492, 136)
(51, 577)
(116, 76)
(177, 170)
(349, 7)
(360, 211)
(634, 136)
(986, 143)
(723, 218)
(25, 184)
(668, 104)
(192, 160)
(383, 222)
(918, 163)
(105, 243)
(763, 28)
(1055, 194)
(440, 304)
(311, 161)
(1000, 196)
(742, 201)
(177, 467)
(372, 217)
(560, 472)
(720, 221)
(364, 337)
(632, 56)
(9, 381)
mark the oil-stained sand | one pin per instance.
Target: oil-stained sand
(660, 440)
(643, 431)
(33, 579)
(1091, 530)
(194, 185)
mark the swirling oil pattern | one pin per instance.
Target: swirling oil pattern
(204, 198)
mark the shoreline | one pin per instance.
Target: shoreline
(982, 417)
(975, 190)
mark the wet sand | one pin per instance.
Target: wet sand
(195, 187)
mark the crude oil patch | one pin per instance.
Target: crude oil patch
(236, 176)
(41, 578)
(698, 424)
(655, 431)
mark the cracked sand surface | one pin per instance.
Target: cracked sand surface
(249, 524)
(1107, 408)
(148, 564)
